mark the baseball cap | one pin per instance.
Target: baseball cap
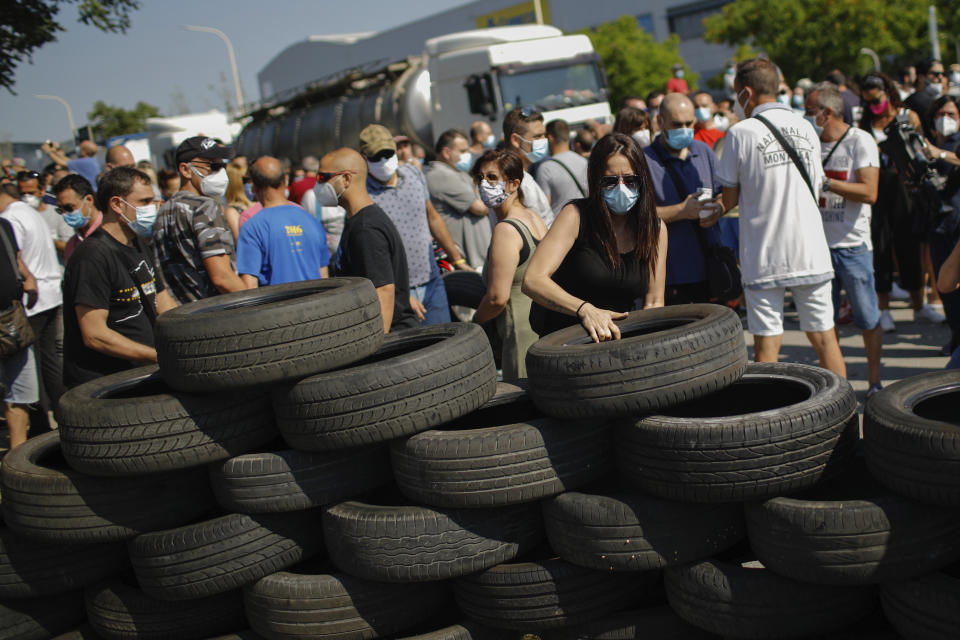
(203, 147)
(374, 139)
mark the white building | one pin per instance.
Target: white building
(323, 56)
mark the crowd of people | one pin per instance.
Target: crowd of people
(566, 225)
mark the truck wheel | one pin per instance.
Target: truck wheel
(119, 611)
(633, 532)
(464, 288)
(733, 601)
(781, 428)
(499, 466)
(925, 608)
(45, 499)
(131, 423)
(40, 618)
(219, 555)
(911, 437)
(531, 596)
(295, 606)
(418, 544)
(30, 568)
(418, 379)
(665, 357)
(268, 335)
(296, 480)
(852, 531)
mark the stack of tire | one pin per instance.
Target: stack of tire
(289, 472)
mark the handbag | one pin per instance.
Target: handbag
(724, 282)
(16, 334)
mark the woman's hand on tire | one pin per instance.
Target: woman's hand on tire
(599, 323)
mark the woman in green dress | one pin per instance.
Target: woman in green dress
(498, 174)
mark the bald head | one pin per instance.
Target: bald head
(119, 156)
(344, 159)
(267, 173)
(351, 183)
(88, 148)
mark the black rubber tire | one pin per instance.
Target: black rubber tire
(295, 480)
(118, 611)
(291, 606)
(532, 596)
(852, 531)
(632, 532)
(464, 288)
(781, 428)
(499, 466)
(30, 568)
(681, 353)
(131, 423)
(911, 436)
(465, 631)
(418, 379)
(45, 499)
(40, 618)
(655, 623)
(83, 632)
(268, 335)
(419, 544)
(925, 608)
(730, 600)
(223, 554)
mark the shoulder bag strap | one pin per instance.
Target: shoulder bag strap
(830, 155)
(572, 177)
(792, 153)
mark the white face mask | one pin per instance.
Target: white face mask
(213, 185)
(935, 89)
(493, 194)
(945, 126)
(326, 194)
(642, 137)
(721, 122)
(383, 170)
(31, 200)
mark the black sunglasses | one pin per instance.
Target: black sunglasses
(326, 176)
(27, 175)
(527, 112)
(67, 209)
(937, 74)
(631, 181)
(382, 155)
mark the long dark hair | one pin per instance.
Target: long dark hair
(509, 163)
(877, 80)
(642, 221)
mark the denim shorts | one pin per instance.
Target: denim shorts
(853, 267)
(19, 374)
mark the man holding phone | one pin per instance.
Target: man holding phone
(684, 183)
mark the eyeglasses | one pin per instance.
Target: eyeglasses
(631, 181)
(382, 155)
(326, 176)
(527, 112)
(68, 208)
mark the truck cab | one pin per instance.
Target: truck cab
(488, 72)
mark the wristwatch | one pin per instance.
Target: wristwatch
(826, 185)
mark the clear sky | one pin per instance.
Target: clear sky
(160, 63)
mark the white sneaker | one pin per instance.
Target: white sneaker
(886, 321)
(928, 314)
(898, 293)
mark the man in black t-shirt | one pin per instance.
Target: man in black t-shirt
(370, 246)
(111, 296)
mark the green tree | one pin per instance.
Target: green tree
(811, 37)
(109, 121)
(635, 63)
(26, 25)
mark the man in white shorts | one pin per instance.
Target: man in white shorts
(782, 242)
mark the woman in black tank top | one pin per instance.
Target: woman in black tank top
(604, 254)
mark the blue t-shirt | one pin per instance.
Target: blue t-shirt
(282, 244)
(89, 168)
(685, 262)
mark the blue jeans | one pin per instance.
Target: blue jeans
(853, 268)
(433, 296)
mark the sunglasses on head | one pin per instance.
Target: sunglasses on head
(382, 155)
(27, 175)
(631, 181)
(527, 112)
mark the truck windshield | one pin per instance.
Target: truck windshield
(553, 88)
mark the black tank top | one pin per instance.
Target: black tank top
(586, 273)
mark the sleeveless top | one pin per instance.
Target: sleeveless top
(586, 273)
(513, 324)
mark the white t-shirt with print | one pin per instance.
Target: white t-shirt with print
(781, 232)
(846, 222)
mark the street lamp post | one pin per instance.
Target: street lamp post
(66, 105)
(233, 59)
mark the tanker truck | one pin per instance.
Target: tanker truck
(459, 78)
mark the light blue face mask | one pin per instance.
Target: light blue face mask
(490, 142)
(620, 199)
(541, 147)
(76, 219)
(146, 217)
(465, 161)
(679, 138)
(702, 114)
